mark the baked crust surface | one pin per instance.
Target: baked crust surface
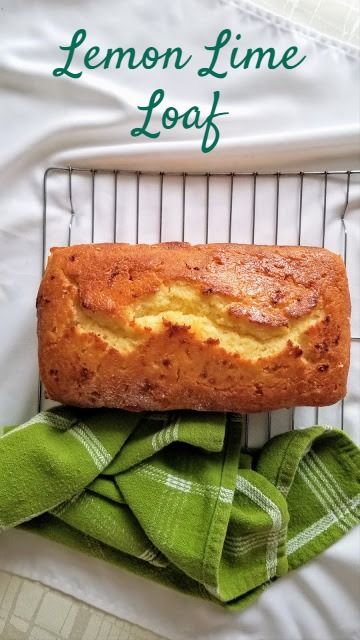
(219, 327)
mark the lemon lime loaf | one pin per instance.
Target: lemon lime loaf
(220, 327)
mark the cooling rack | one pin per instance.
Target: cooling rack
(319, 208)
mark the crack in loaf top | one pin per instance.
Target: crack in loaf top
(260, 284)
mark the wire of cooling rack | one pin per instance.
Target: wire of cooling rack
(277, 178)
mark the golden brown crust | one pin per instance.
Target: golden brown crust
(208, 327)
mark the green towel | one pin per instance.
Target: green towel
(171, 497)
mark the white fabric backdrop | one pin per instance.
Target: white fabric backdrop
(303, 119)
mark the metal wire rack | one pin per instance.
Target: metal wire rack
(96, 205)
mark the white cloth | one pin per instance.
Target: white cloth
(318, 601)
(307, 118)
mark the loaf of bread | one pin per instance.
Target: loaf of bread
(219, 327)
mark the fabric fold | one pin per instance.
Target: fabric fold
(323, 465)
(172, 497)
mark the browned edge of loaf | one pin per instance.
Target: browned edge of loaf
(266, 289)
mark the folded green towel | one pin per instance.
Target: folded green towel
(170, 496)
